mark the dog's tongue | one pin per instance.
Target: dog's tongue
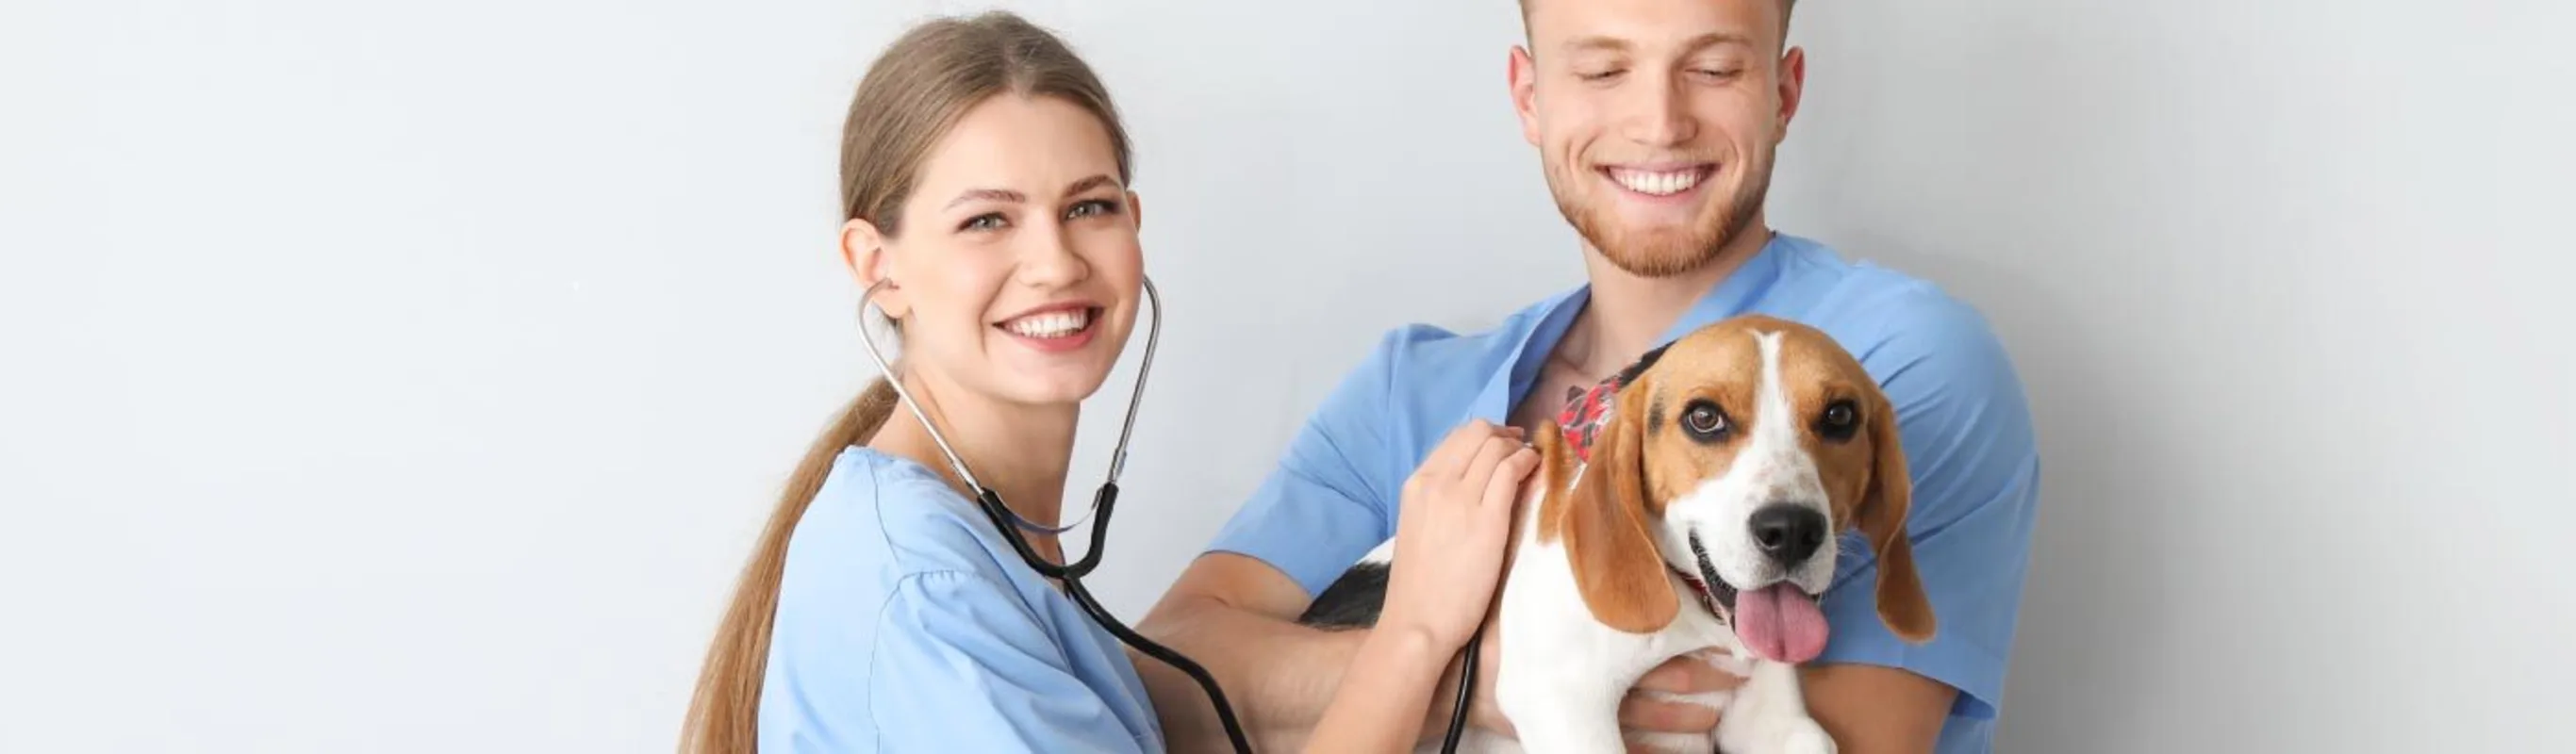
(1780, 623)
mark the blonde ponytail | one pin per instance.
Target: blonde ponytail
(724, 716)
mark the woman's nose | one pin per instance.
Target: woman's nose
(1052, 259)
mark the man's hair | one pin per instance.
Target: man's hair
(1786, 8)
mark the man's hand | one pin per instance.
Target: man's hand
(1688, 674)
(1639, 712)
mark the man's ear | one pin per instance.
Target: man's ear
(1793, 89)
(1523, 76)
(863, 251)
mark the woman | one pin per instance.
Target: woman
(984, 176)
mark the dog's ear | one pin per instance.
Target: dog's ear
(1607, 539)
(1881, 517)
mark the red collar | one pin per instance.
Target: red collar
(1706, 599)
(1586, 411)
(1584, 414)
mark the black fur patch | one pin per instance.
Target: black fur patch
(1654, 414)
(1352, 601)
(1654, 408)
(1645, 362)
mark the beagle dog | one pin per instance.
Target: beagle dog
(1725, 466)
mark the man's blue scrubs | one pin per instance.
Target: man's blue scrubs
(1966, 427)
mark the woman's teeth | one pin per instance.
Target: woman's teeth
(1051, 324)
(1656, 183)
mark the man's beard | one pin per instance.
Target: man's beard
(1662, 255)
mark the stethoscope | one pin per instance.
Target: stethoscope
(1102, 502)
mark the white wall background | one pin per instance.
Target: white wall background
(387, 377)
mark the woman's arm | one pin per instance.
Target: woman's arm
(1384, 694)
(1448, 559)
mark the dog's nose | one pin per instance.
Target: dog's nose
(1788, 533)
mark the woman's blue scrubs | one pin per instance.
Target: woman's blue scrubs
(906, 623)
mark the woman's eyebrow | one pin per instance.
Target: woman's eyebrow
(985, 194)
(1008, 196)
(1090, 183)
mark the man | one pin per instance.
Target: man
(1656, 122)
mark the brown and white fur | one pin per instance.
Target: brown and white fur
(1750, 423)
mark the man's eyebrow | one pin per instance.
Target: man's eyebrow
(1595, 42)
(1718, 39)
(1615, 44)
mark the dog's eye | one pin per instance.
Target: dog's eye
(1839, 422)
(1704, 419)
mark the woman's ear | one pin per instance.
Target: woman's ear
(863, 251)
(1135, 210)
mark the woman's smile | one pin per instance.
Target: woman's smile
(1055, 328)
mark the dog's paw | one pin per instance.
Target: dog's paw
(1806, 737)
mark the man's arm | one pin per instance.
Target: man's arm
(1973, 459)
(1870, 709)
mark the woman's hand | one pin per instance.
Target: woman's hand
(1449, 536)
(1449, 555)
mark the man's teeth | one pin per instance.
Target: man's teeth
(1051, 324)
(1658, 184)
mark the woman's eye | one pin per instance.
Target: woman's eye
(986, 221)
(1094, 207)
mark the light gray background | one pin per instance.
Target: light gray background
(413, 377)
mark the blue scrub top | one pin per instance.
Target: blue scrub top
(1960, 409)
(906, 623)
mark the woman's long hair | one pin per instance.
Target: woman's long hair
(915, 91)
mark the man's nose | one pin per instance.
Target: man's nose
(1660, 114)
